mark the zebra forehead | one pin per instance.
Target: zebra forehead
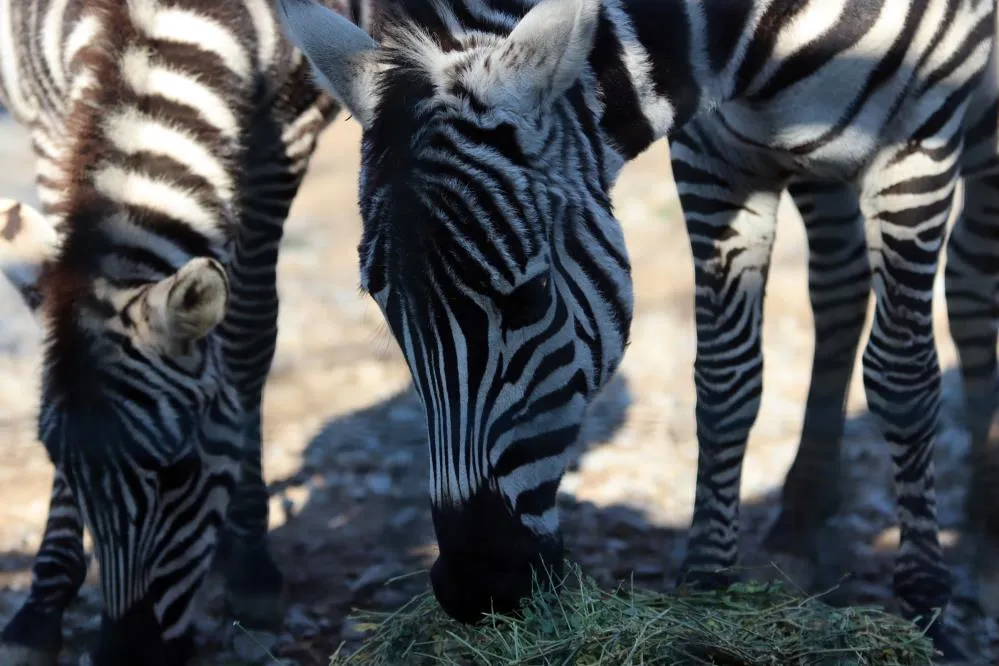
(425, 240)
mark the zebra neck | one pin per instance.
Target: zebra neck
(154, 130)
(658, 63)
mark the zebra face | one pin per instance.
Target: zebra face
(490, 246)
(140, 418)
(139, 415)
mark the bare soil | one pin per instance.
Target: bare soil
(345, 453)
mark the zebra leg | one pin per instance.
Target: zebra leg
(907, 198)
(731, 230)
(972, 288)
(839, 282)
(33, 637)
(277, 160)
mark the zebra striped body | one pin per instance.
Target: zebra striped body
(493, 134)
(171, 139)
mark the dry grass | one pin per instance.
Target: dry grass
(582, 625)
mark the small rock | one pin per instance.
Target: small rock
(399, 460)
(373, 575)
(388, 599)
(404, 517)
(299, 622)
(379, 483)
(251, 646)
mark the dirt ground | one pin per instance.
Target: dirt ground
(344, 437)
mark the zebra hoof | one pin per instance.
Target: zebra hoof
(20, 655)
(944, 644)
(986, 570)
(255, 590)
(708, 581)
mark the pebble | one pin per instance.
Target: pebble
(299, 622)
(379, 483)
(373, 575)
(251, 646)
(404, 517)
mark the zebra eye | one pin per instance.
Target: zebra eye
(527, 304)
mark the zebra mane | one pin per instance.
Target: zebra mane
(109, 81)
(109, 164)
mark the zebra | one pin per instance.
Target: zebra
(171, 138)
(492, 134)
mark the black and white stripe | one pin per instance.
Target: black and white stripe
(171, 139)
(492, 137)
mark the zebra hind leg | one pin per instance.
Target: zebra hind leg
(908, 196)
(839, 281)
(33, 637)
(972, 291)
(731, 233)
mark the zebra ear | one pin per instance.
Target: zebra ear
(542, 57)
(341, 54)
(189, 304)
(28, 241)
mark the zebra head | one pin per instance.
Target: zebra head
(490, 247)
(140, 419)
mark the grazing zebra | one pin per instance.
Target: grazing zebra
(171, 138)
(493, 132)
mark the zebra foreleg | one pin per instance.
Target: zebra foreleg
(33, 637)
(839, 284)
(276, 162)
(908, 196)
(731, 230)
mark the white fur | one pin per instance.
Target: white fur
(82, 34)
(147, 78)
(541, 59)
(22, 257)
(52, 38)
(141, 190)
(133, 132)
(267, 31)
(9, 70)
(341, 54)
(188, 27)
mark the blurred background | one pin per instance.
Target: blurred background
(345, 453)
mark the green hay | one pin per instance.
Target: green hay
(748, 624)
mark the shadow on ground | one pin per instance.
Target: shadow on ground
(357, 531)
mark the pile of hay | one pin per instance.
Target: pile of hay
(752, 623)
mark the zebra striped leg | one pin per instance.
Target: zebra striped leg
(277, 162)
(972, 288)
(731, 230)
(33, 637)
(839, 281)
(908, 198)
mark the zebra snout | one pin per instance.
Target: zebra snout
(136, 640)
(489, 560)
